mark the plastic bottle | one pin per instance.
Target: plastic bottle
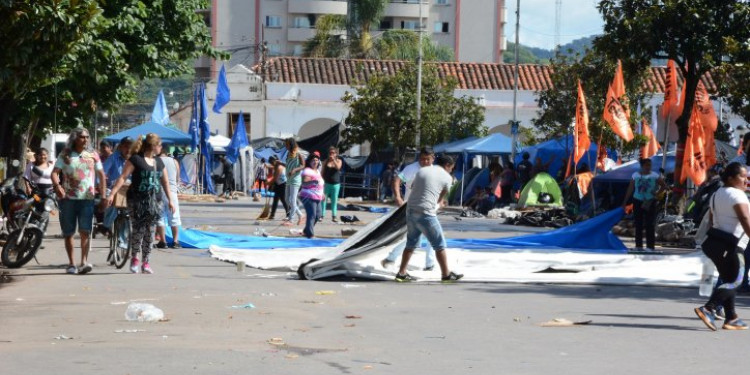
(707, 277)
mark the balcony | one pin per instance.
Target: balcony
(318, 6)
(300, 34)
(406, 9)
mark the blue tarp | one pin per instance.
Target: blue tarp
(167, 135)
(561, 148)
(593, 235)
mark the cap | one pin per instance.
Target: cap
(105, 142)
(127, 139)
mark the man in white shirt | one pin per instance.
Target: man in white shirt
(430, 186)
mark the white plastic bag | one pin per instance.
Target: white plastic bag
(143, 312)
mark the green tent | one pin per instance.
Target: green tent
(541, 183)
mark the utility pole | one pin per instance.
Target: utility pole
(418, 139)
(514, 124)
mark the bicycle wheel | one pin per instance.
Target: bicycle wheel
(121, 228)
(17, 253)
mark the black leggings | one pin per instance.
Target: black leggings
(279, 193)
(730, 264)
(645, 218)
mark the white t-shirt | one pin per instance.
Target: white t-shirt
(407, 176)
(722, 209)
(426, 188)
(46, 176)
(645, 186)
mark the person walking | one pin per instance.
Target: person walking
(169, 217)
(40, 171)
(80, 168)
(508, 179)
(311, 193)
(105, 150)
(332, 177)
(523, 170)
(644, 185)
(744, 158)
(430, 186)
(426, 158)
(149, 177)
(386, 182)
(730, 223)
(294, 166)
(279, 186)
(113, 169)
(261, 175)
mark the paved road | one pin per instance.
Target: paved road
(363, 328)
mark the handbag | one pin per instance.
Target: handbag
(717, 239)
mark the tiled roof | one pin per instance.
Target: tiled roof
(471, 76)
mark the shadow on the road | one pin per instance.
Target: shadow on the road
(62, 273)
(648, 326)
(633, 316)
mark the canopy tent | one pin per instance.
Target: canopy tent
(167, 135)
(453, 145)
(560, 148)
(493, 144)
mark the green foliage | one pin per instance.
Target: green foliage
(525, 55)
(404, 45)
(383, 111)
(735, 80)
(327, 42)
(596, 72)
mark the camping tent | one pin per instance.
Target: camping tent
(167, 135)
(541, 183)
(560, 149)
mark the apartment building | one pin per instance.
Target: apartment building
(472, 28)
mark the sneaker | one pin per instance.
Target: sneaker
(452, 277)
(135, 265)
(176, 245)
(707, 316)
(719, 313)
(147, 268)
(335, 220)
(72, 270)
(387, 263)
(429, 268)
(85, 268)
(161, 245)
(405, 278)
(735, 325)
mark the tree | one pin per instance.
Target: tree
(383, 111)
(697, 34)
(364, 14)
(327, 42)
(104, 48)
(404, 45)
(596, 72)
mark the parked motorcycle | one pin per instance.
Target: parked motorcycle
(27, 217)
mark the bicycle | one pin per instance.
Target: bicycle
(118, 255)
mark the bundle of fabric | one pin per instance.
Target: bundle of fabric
(554, 218)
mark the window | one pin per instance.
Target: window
(273, 21)
(274, 49)
(441, 27)
(410, 25)
(386, 24)
(304, 22)
(441, 2)
(233, 118)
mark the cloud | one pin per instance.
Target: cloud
(579, 18)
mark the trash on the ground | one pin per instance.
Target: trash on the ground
(349, 219)
(129, 330)
(240, 266)
(325, 292)
(277, 341)
(354, 317)
(350, 325)
(516, 319)
(19, 299)
(313, 302)
(245, 306)
(118, 303)
(503, 213)
(349, 286)
(143, 312)
(63, 337)
(295, 232)
(268, 294)
(562, 322)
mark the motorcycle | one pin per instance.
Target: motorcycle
(26, 217)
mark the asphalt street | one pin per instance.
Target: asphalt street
(66, 324)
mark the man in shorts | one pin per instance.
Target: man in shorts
(430, 186)
(80, 167)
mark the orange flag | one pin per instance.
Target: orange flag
(582, 140)
(652, 147)
(706, 108)
(670, 91)
(616, 113)
(694, 163)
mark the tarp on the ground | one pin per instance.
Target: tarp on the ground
(541, 183)
(168, 135)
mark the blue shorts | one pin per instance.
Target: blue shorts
(76, 212)
(420, 224)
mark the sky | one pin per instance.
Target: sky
(580, 18)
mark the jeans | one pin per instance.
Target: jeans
(311, 209)
(76, 211)
(418, 224)
(279, 194)
(291, 196)
(645, 217)
(332, 193)
(110, 214)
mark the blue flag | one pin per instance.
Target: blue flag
(160, 114)
(239, 141)
(222, 91)
(205, 147)
(194, 117)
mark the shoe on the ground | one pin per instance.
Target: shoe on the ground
(719, 313)
(147, 268)
(405, 278)
(176, 245)
(135, 265)
(386, 263)
(735, 325)
(429, 268)
(85, 268)
(71, 270)
(334, 219)
(161, 245)
(452, 277)
(707, 316)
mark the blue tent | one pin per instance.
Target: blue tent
(624, 173)
(493, 144)
(560, 148)
(168, 135)
(453, 145)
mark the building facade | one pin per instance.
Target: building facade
(472, 28)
